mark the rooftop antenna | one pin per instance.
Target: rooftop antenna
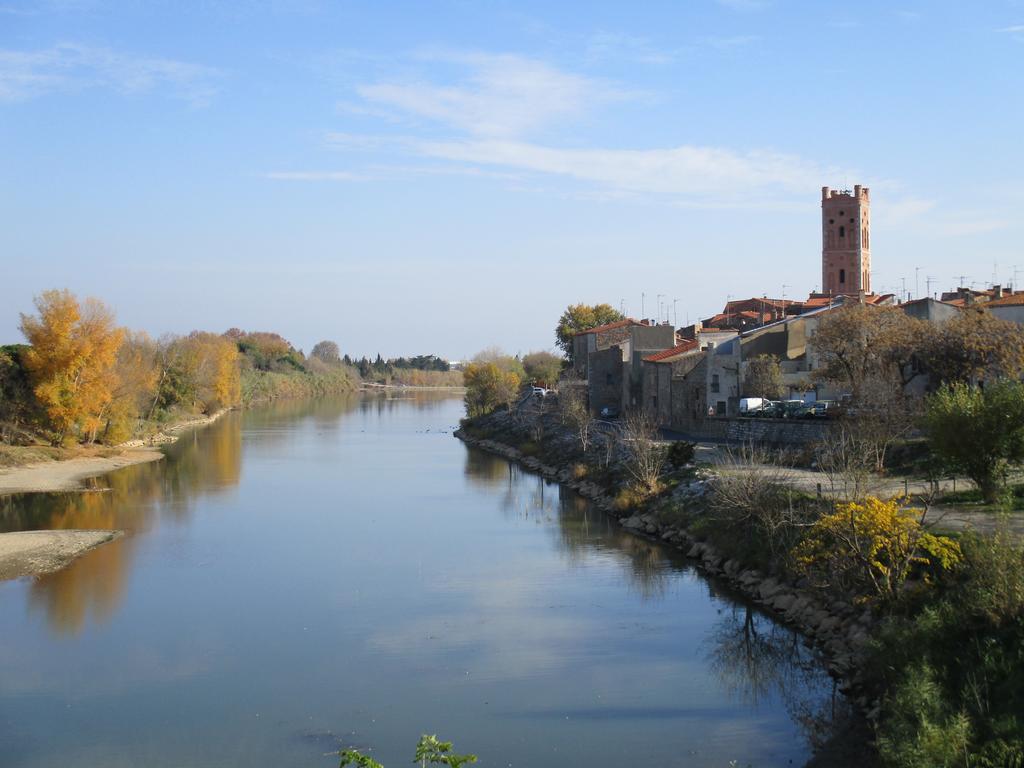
(928, 285)
(675, 312)
(1016, 271)
(643, 305)
(917, 282)
(903, 295)
(660, 296)
(622, 307)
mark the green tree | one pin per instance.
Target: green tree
(581, 317)
(979, 432)
(763, 378)
(542, 368)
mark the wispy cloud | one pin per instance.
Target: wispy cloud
(501, 96)
(30, 74)
(1017, 30)
(489, 120)
(682, 172)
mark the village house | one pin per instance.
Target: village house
(614, 374)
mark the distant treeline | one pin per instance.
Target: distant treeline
(83, 379)
(419, 371)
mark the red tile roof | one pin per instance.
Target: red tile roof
(665, 354)
(1014, 299)
(610, 326)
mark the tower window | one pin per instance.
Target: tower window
(842, 276)
(831, 221)
(842, 231)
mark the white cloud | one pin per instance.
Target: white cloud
(503, 96)
(29, 74)
(714, 173)
(1016, 29)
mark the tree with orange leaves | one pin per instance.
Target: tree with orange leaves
(71, 362)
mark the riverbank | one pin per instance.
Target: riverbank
(55, 474)
(36, 553)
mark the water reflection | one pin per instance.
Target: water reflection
(756, 660)
(581, 530)
(133, 500)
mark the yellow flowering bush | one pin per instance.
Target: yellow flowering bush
(872, 547)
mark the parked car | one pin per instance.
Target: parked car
(540, 392)
(750, 406)
(795, 409)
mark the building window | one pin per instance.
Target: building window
(654, 402)
(720, 409)
(607, 378)
(714, 382)
(842, 231)
(842, 276)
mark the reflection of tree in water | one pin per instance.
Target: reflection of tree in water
(582, 531)
(130, 499)
(391, 399)
(757, 659)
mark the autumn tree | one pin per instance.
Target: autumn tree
(973, 346)
(542, 368)
(327, 352)
(500, 358)
(856, 346)
(872, 353)
(71, 362)
(489, 386)
(762, 377)
(135, 382)
(581, 317)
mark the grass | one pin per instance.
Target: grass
(972, 497)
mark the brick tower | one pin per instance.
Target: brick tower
(845, 241)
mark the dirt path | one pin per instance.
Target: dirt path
(951, 518)
(34, 553)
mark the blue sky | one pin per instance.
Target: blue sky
(436, 177)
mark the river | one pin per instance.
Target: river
(336, 573)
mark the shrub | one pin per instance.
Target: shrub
(979, 431)
(680, 453)
(869, 549)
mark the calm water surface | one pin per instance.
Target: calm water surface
(345, 573)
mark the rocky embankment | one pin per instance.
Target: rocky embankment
(839, 630)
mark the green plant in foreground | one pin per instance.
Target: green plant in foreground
(429, 751)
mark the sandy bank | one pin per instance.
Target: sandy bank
(67, 475)
(33, 553)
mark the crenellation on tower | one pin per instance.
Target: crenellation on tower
(846, 241)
